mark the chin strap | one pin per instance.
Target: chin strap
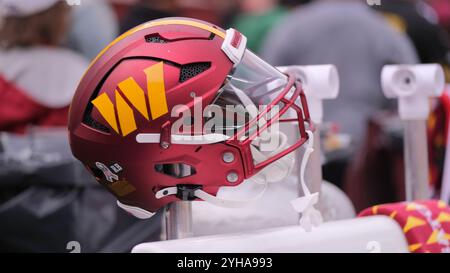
(225, 203)
(228, 203)
(310, 216)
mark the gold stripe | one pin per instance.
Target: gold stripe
(106, 109)
(134, 93)
(156, 90)
(125, 114)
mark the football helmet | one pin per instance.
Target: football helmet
(130, 124)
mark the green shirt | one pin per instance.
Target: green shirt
(256, 27)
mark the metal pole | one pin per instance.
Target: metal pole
(178, 217)
(416, 160)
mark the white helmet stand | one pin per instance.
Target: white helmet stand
(413, 85)
(319, 82)
(367, 234)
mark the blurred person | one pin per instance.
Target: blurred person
(418, 20)
(93, 26)
(48, 201)
(294, 3)
(214, 11)
(442, 9)
(37, 77)
(357, 40)
(439, 121)
(147, 10)
(256, 19)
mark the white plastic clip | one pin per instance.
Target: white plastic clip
(310, 216)
(234, 45)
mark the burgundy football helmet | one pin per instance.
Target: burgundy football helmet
(136, 92)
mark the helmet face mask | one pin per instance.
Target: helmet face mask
(274, 96)
(132, 114)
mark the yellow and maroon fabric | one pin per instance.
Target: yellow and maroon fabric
(438, 126)
(426, 224)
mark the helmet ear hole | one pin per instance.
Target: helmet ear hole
(176, 170)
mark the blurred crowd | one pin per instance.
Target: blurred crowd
(357, 38)
(45, 50)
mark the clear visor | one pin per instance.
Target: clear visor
(250, 87)
(253, 78)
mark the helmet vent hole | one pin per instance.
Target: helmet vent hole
(198, 149)
(155, 38)
(176, 170)
(189, 71)
(89, 121)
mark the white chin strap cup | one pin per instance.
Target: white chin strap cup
(413, 85)
(310, 216)
(278, 170)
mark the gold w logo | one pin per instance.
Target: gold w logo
(133, 92)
